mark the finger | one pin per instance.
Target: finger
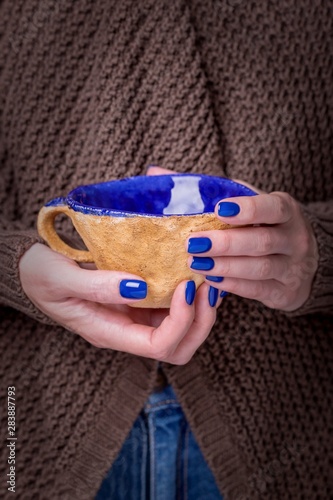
(251, 241)
(274, 208)
(156, 343)
(154, 170)
(105, 287)
(204, 319)
(252, 268)
(270, 292)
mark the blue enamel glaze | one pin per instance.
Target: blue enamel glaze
(164, 195)
(56, 202)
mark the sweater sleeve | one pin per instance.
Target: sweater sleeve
(15, 240)
(14, 243)
(320, 215)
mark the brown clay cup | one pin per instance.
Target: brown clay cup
(140, 224)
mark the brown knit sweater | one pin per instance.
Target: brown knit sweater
(92, 90)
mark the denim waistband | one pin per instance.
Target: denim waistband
(163, 397)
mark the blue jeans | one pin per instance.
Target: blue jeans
(160, 459)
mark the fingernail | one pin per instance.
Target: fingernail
(202, 263)
(133, 289)
(228, 209)
(223, 294)
(190, 292)
(199, 245)
(217, 279)
(213, 294)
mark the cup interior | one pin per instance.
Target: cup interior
(181, 194)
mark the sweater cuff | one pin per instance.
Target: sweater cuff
(13, 244)
(320, 216)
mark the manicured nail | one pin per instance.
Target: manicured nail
(190, 292)
(216, 279)
(228, 209)
(133, 289)
(213, 294)
(223, 294)
(199, 245)
(202, 263)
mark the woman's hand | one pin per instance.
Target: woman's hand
(273, 260)
(93, 304)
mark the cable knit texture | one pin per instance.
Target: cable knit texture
(93, 90)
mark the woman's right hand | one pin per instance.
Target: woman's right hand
(88, 302)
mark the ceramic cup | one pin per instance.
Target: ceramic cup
(140, 224)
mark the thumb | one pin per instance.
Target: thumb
(154, 170)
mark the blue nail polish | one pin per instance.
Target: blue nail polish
(190, 292)
(223, 294)
(202, 263)
(133, 289)
(213, 294)
(216, 279)
(228, 209)
(199, 245)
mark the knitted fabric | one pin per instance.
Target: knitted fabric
(93, 90)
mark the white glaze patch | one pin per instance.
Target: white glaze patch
(185, 197)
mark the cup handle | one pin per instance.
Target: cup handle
(45, 227)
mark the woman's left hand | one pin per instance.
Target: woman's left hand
(272, 260)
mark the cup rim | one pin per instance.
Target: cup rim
(90, 210)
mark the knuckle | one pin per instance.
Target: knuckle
(226, 266)
(265, 242)
(265, 268)
(279, 299)
(283, 301)
(97, 288)
(304, 241)
(251, 209)
(161, 353)
(257, 290)
(292, 277)
(283, 202)
(226, 241)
